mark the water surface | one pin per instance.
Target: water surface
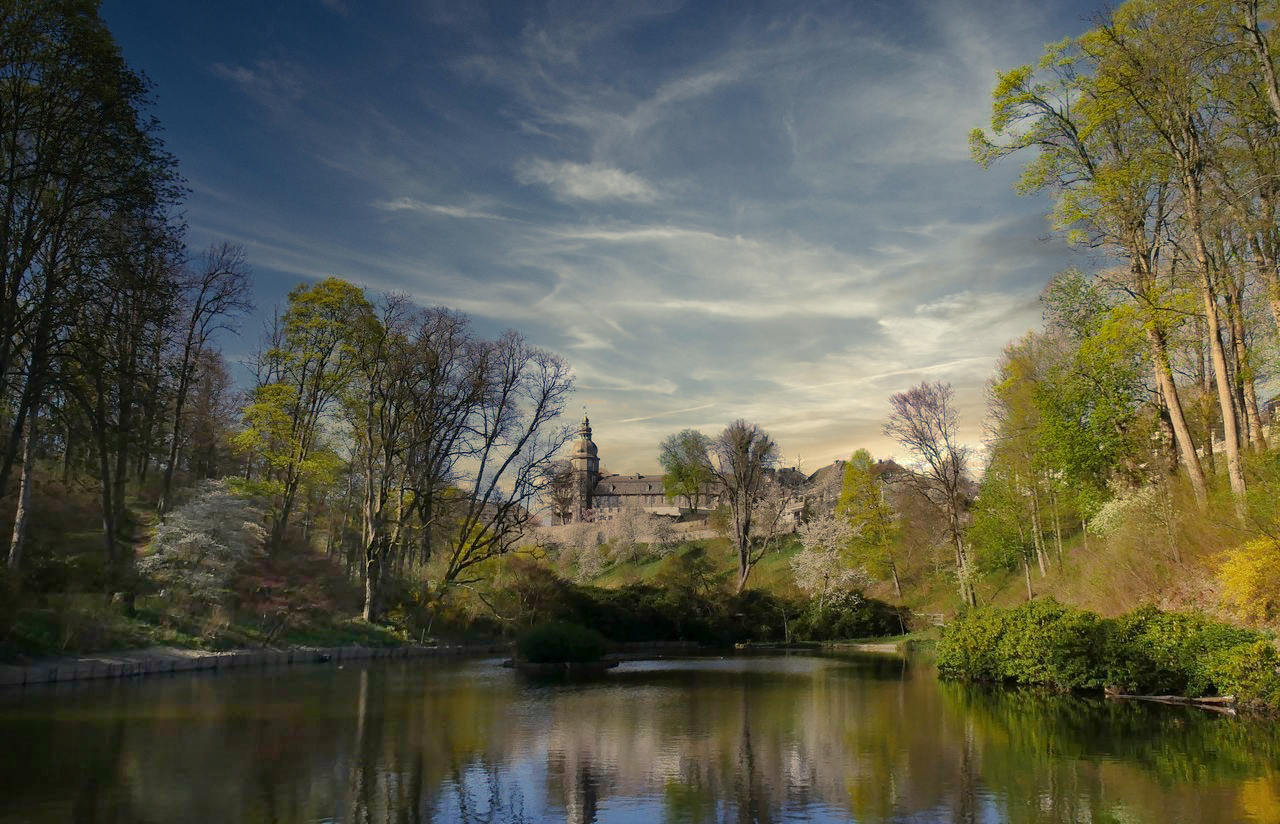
(786, 738)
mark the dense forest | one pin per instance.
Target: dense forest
(383, 459)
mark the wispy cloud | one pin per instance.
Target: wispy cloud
(270, 82)
(713, 214)
(592, 181)
(409, 204)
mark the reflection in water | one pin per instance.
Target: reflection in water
(697, 740)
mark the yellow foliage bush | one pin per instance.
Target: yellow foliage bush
(1250, 579)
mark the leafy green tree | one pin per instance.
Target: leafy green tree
(307, 365)
(871, 519)
(83, 168)
(686, 465)
(1099, 161)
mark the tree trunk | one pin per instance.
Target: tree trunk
(1177, 418)
(1208, 293)
(23, 510)
(1037, 532)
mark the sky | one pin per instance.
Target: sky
(711, 210)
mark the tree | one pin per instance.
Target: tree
(305, 367)
(1152, 65)
(79, 160)
(1110, 193)
(869, 517)
(380, 406)
(561, 491)
(197, 550)
(688, 469)
(514, 443)
(925, 421)
(743, 454)
(214, 296)
(819, 567)
(109, 373)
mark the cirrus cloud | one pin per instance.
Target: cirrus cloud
(592, 181)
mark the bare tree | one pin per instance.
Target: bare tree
(742, 456)
(214, 297)
(561, 491)
(926, 422)
(515, 441)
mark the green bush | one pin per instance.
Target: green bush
(1045, 642)
(1153, 652)
(847, 616)
(1249, 671)
(1040, 642)
(559, 642)
(968, 648)
(1147, 651)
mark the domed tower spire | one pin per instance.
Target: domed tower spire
(586, 469)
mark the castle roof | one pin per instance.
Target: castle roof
(629, 485)
(585, 447)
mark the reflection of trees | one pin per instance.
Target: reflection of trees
(726, 740)
(1064, 758)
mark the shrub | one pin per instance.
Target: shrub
(1146, 651)
(1040, 642)
(1250, 578)
(969, 644)
(199, 548)
(1249, 671)
(559, 642)
(1048, 643)
(1151, 651)
(1124, 509)
(847, 615)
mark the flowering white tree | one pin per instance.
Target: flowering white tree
(818, 568)
(627, 531)
(199, 547)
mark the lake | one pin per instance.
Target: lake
(734, 739)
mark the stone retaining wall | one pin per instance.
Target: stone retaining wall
(152, 662)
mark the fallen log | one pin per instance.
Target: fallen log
(1214, 703)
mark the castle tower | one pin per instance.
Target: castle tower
(586, 470)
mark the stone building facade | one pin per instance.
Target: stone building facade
(600, 497)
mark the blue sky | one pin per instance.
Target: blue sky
(712, 210)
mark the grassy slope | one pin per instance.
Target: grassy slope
(1106, 577)
(772, 573)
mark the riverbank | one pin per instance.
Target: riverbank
(169, 660)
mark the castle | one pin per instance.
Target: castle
(601, 497)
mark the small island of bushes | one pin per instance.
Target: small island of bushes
(560, 647)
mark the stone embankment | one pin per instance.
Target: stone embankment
(165, 660)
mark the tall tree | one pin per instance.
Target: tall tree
(78, 158)
(1110, 193)
(214, 297)
(870, 518)
(743, 455)
(1152, 63)
(305, 367)
(515, 440)
(924, 419)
